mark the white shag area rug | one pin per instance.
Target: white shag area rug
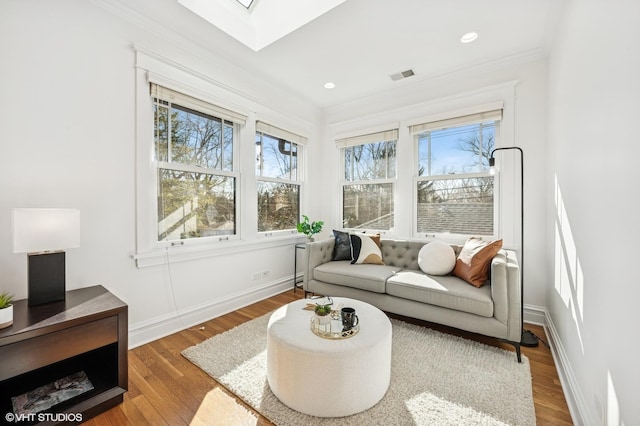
(436, 379)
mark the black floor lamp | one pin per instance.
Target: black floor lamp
(527, 338)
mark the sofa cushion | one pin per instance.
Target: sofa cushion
(437, 258)
(401, 253)
(342, 246)
(446, 291)
(474, 260)
(364, 276)
(366, 249)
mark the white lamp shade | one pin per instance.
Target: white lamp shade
(37, 230)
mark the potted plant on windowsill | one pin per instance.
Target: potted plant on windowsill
(6, 309)
(309, 229)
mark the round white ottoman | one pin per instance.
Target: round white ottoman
(323, 377)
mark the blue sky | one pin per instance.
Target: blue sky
(445, 153)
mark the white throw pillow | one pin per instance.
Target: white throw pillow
(366, 249)
(437, 258)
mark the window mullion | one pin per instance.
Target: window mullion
(291, 163)
(277, 180)
(370, 181)
(169, 133)
(454, 176)
(429, 148)
(480, 145)
(387, 153)
(195, 169)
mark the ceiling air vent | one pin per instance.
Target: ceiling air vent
(401, 75)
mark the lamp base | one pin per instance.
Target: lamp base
(529, 339)
(46, 279)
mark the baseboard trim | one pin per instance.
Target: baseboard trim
(578, 410)
(535, 315)
(573, 395)
(155, 328)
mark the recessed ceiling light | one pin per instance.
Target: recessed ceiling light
(329, 85)
(469, 37)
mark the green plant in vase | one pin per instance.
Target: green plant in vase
(309, 228)
(6, 300)
(6, 309)
(323, 311)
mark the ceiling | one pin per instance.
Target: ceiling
(358, 44)
(259, 23)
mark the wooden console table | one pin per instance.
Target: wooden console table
(86, 332)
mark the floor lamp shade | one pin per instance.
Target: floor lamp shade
(43, 234)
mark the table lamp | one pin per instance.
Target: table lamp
(43, 234)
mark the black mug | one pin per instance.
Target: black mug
(349, 318)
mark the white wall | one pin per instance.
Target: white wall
(523, 88)
(68, 121)
(67, 115)
(69, 140)
(593, 198)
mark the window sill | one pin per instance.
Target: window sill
(181, 253)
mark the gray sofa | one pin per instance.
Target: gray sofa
(400, 287)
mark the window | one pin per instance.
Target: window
(369, 178)
(454, 187)
(195, 159)
(278, 178)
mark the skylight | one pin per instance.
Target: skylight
(266, 22)
(246, 3)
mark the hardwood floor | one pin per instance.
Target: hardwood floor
(166, 389)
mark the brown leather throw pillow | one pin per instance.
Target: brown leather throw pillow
(474, 260)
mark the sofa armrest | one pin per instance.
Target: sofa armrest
(317, 253)
(505, 291)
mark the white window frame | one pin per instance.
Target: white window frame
(390, 135)
(151, 67)
(441, 123)
(263, 128)
(507, 187)
(163, 96)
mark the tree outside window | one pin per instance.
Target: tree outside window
(454, 187)
(367, 189)
(196, 180)
(278, 183)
